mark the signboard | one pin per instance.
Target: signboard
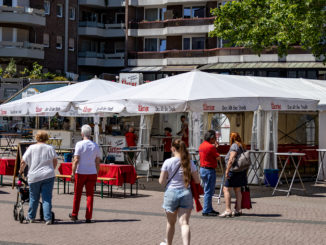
(132, 79)
(117, 143)
(30, 92)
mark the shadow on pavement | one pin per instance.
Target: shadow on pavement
(262, 215)
(4, 192)
(79, 222)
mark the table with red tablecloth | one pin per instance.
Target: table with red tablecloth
(7, 166)
(122, 173)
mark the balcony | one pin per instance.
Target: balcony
(171, 27)
(22, 15)
(21, 50)
(102, 3)
(162, 2)
(87, 28)
(209, 56)
(89, 58)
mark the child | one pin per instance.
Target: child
(167, 143)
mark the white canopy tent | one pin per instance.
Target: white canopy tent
(198, 92)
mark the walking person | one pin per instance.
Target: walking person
(208, 163)
(41, 160)
(85, 167)
(176, 174)
(234, 179)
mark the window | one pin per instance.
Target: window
(72, 13)
(186, 43)
(71, 45)
(119, 47)
(59, 10)
(193, 43)
(151, 14)
(7, 3)
(7, 34)
(46, 40)
(59, 42)
(9, 92)
(47, 7)
(198, 43)
(194, 12)
(162, 13)
(162, 44)
(120, 18)
(151, 44)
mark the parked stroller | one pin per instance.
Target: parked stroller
(23, 197)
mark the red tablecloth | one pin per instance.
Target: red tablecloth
(7, 166)
(122, 173)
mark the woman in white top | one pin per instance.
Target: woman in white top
(176, 174)
(41, 160)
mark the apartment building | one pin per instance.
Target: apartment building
(168, 36)
(153, 37)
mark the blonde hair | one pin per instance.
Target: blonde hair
(41, 136)
(180, 146)
(235, 138)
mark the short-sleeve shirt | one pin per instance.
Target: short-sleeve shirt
(170, 165)
(130, 139)
(237, 149)
(39, 158)
(88, 151)
(167, 143)
(208, 155)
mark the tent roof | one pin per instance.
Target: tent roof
(201, 91)
(61, 99)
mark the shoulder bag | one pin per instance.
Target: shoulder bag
(172, 176)
(242, 163)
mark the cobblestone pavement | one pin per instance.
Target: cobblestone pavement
(298, 219)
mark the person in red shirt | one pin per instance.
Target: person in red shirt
(167, 143)
(208, 163)
(131, 138)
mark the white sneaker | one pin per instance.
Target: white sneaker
(49, 222)
(163, 243)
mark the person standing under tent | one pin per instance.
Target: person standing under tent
(167, 143)
(176, 174)
(184, 132)
(131, 138)
(234, 180)
(208, 156)
(85, 167)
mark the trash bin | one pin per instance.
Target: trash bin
(67, 157)
(271, 177)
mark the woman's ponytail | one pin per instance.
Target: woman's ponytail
(181, 147)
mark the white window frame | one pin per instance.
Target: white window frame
(191, 37)
(46, 45)
(74, 13)
(191, 6)
(57, 43)
(60, 5)
(49, 7)
(69, 48)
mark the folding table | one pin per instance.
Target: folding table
(10, 139)
(290, 159)
(322, 153)
(132, 160)
(257, 159)
(105, 151)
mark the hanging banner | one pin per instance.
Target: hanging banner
(133, 79)
(117, 143)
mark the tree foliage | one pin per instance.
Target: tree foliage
(262, 24)
(11, 69)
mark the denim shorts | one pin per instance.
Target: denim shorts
(177, 198)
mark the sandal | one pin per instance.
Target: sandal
(225, 214)
(236, 213)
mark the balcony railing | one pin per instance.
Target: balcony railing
(101, 25)
(22, 10)
(27, 45)
(171, 23)
(91, 54)
(204, 53)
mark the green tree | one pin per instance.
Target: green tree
(263, 24)
(11, 69)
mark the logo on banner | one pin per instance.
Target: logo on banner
(38, 109)
(143, 108)
(208, 107)
(86, 109)
(3, 112)
(275, 106)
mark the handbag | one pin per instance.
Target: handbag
(196, 190)
(243, 162)
(246, 200)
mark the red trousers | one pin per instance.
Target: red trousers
(89, 180)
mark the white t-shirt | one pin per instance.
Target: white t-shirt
(87, 150)
(39, 158)
(170, 165)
